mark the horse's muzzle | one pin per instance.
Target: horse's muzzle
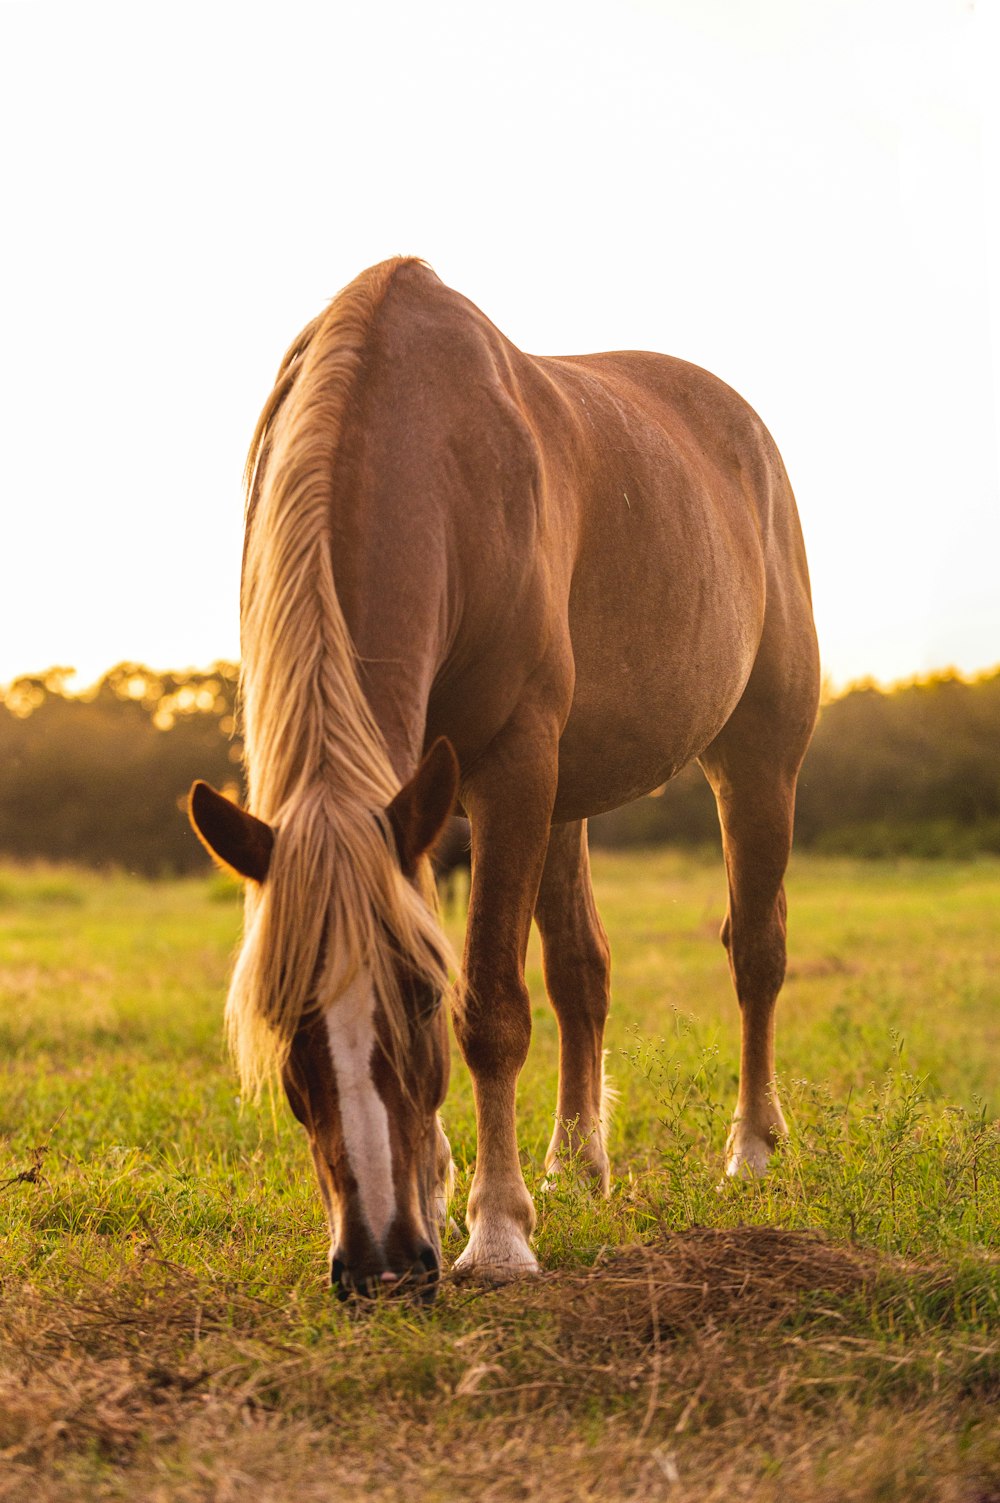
(418, 1282)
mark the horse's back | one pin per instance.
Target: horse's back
(623, 516)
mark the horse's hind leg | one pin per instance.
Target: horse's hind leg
(752, 767)
(756, 838)
(577, 972)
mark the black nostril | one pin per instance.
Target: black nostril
(341, 1280)
(426, 1268)
(346, 1286)
(425, 1275)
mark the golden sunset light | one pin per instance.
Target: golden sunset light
(803, 199)
(499, 727)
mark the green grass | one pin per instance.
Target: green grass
(164, 1323)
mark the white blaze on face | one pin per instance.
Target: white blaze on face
(350, 1030)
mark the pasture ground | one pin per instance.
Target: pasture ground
(830, 1333)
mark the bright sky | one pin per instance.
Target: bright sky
(803, 197)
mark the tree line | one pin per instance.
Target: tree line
(101, 778)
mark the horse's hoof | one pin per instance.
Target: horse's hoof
(494, 1275)
(500, 1256)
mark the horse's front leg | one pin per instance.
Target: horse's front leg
(509, 795)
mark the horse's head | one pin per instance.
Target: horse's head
(365, 1066)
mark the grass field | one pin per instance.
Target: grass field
(830, 1333)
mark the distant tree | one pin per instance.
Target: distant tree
(101, 778)
(914, 767)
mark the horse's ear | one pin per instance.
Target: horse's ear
(420, 808)
(238, 839)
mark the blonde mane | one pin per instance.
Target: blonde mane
(318, 770)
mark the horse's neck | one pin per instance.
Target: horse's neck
(398, 697)
(396, 630)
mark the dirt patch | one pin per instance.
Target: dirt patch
(751, 1276)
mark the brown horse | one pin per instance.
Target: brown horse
(544, 585)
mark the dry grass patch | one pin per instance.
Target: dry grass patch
(710, 1364)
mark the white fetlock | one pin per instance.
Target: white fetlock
(577, 1158)
(583, 1170)
(443, 1198)
(749, 1153)
(446, 1180)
